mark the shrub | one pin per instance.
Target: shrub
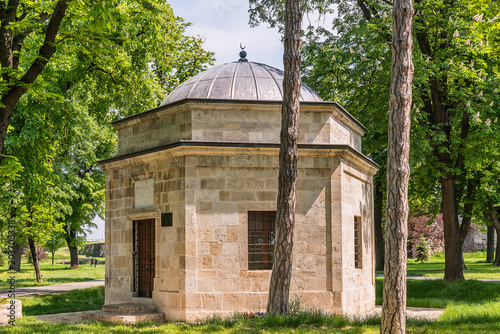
(42, 255)
(422, 250)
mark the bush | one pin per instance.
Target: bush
(42, 255)
(422, 250)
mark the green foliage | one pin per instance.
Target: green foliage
(113, 58)
(422, 250)
(55, 242)
(3, 259)
(349, 61)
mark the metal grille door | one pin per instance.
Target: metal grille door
(144, 257)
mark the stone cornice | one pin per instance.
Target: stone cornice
(188, 104)
(201, 148)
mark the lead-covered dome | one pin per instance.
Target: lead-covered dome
(239, 80)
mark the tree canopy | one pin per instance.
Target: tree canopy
(112, 59)
(455, 92)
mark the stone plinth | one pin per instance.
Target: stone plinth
(10, 311)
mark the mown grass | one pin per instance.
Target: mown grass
(476, 263)
(56, 274)
(471, 307)
(440, 294)
(71, 301)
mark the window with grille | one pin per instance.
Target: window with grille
(261, 239)
(357, 242)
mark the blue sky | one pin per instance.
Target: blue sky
(224, 25)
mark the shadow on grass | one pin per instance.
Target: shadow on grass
(71, 301)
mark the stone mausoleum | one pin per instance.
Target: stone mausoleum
(191, 200)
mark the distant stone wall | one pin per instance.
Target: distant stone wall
(476, 239)
(93, 250)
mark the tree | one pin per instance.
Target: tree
(422, 250)
(279, 288)
(495, 222)
(20, 19)
(455, 91)
(9, 173)
(398, 170)
(96, 29)
(490, 246)
(55, 242)
(65, 117)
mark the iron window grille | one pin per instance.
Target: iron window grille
(357, 243)
(261, 238)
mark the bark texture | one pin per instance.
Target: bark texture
(285, 216)
(398, 170)
(36, 262)
(73, 249)
(18, 252)
(467, 219)
(490, 244)
(379, 232)
(10, 48)
(496, 225)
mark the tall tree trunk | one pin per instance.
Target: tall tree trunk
(73, 252)
(17, 248)
(379, 233)
(36, 262)
(279, 287)
(496, 226)
(437, 104)
(18, 252)
(398, 170)
(71, 241)
(464, 266)
(490, 244)
(452, 241)
(467, 219)
(497, 252)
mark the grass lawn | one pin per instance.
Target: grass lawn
(70, 301)
(56, 274)
(59, 273)
(471, 307)
(476, 262)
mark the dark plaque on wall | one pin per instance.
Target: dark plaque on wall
(166, 219)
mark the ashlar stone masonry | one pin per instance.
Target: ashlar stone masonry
(191, 172)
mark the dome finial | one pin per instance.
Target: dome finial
(243, 54)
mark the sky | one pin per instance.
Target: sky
(223, 24)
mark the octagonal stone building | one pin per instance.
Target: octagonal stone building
(191, 200)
